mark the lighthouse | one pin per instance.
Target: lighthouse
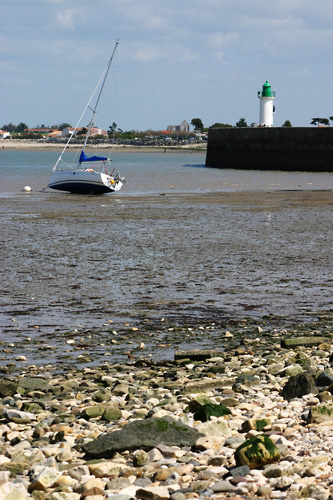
(266, 97)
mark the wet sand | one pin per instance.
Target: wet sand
(82, 267)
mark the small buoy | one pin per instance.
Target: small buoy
(27, 189)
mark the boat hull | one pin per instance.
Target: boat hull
(83, 182)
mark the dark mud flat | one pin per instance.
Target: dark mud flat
(96, 279)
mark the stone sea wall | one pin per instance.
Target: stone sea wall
(284, 148)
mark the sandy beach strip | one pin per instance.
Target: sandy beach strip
(29, 145)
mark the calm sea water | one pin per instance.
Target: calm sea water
(179, 242)
(157, 173)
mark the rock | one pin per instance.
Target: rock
(120, 390)
(93, 411)
(302, 341)
(7, 388)
(29, 384)
(241, 470)
(112, 414)
(223, 486)
(144, 434)
(257, 452)
(317, 492)
(325, 396)
(216, 369)
(292, 370)
(212, 429)
(230, 402)
(320, 413)
(64, 495)
(140, 458)
(206, 385)
(44, 480)
(105, 469)
(100, 396)
(93, 486)
(264, 491)
(20, 417)
(234, 441)
(178, 495)
(199, 354)
(12, 491)
(153, 493)
(205, 411)
(298, 386)
(106, 412)
(324, 379)
(155, 455)
(79, 471)
(118, 483)
(257, 424)
(214, 443)
(119, 496)
(170, 451)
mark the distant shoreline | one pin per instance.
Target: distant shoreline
(26, 145)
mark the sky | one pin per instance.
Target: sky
(176, 60)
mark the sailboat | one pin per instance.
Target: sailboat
(90, 174)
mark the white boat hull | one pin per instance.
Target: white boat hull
(83, 182)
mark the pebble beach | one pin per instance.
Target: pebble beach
(87, 433)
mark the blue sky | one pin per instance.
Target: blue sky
(177, 60)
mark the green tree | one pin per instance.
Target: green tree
(221, 125)
(241, 123)
(9, 128)
(112, 129)
(21, 127)
(322, 121)
(197, 124)
(287, 123)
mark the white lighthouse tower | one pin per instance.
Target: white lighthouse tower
(266, 97)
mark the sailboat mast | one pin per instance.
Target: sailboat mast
(105, 74)
(99, 95)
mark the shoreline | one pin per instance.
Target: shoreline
(27, 145)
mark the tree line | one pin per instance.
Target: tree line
(23, 127)
(199, 127)
(195, 122)
(322, 121)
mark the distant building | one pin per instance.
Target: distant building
(55, 134)
(66, 132)
(4, 134)
(183, 127)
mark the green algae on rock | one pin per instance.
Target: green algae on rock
(257, 452)
(205, 411)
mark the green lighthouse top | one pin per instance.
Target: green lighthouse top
(266, 91)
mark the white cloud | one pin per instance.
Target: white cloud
(68, 18)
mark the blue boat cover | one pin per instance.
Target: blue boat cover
(83, 157)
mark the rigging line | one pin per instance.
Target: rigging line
(104, 75)
(106, 71)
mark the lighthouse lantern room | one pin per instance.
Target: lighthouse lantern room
(266, 97)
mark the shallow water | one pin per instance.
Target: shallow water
(157, 173)
(176, 243)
